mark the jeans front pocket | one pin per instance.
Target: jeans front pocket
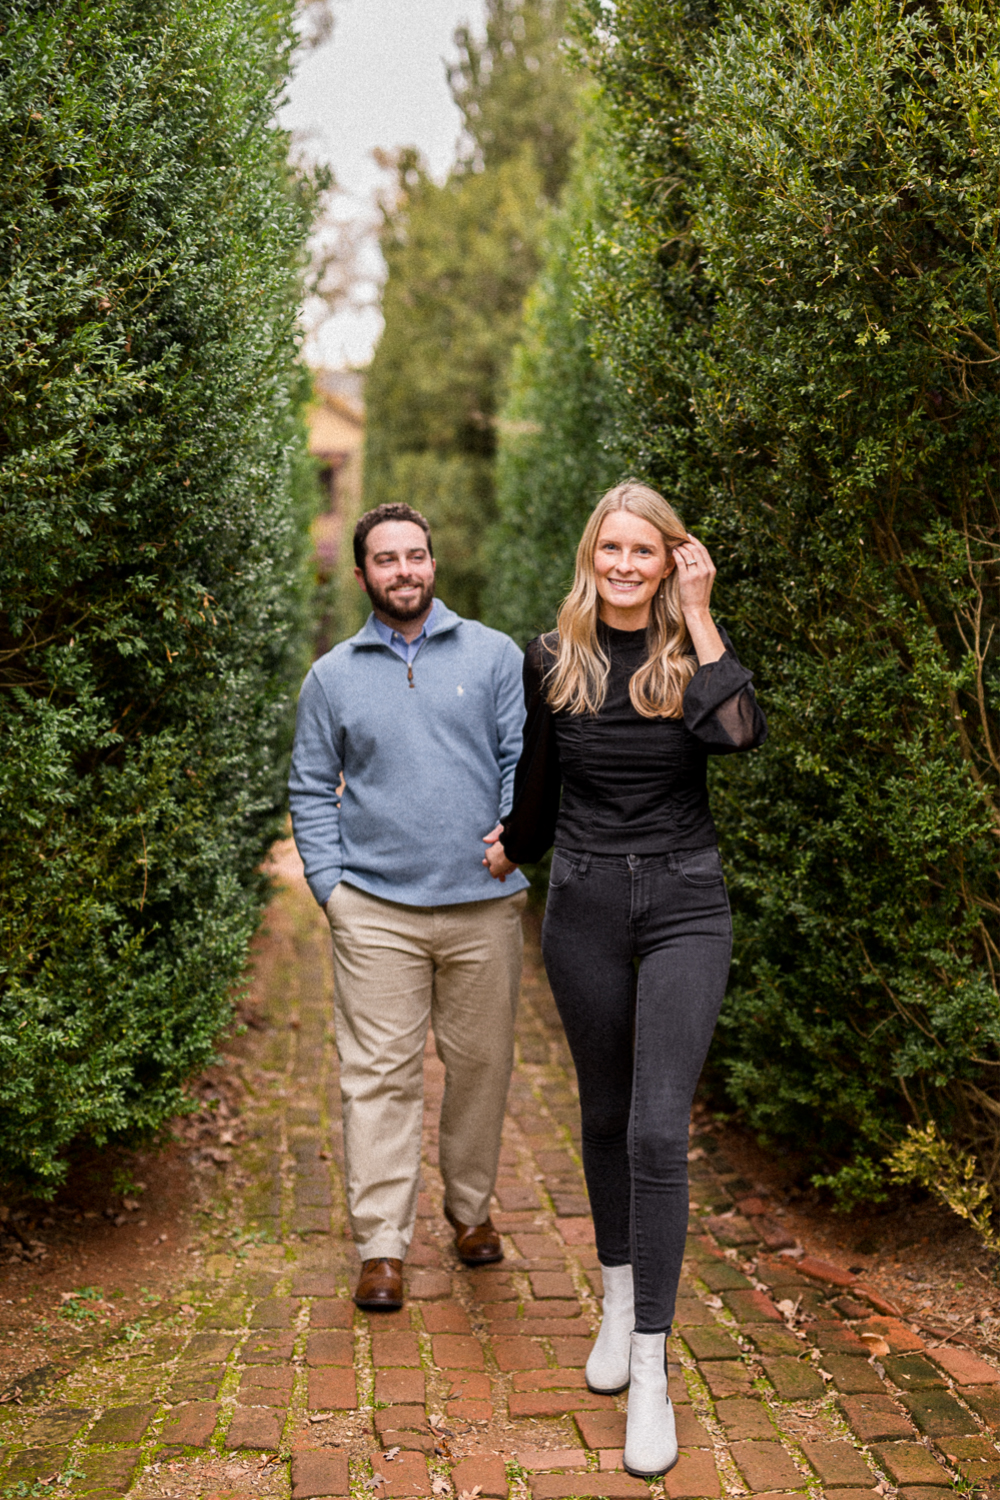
(702, 867)
(562, 870)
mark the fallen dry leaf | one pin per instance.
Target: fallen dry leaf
(440, 1485)
(390, 1454)
(472, 1494)
(875, 1344)
(715, 1302)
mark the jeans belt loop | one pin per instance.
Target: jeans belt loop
(583, 866)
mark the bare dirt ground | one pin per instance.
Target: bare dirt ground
(914, 1251)
(111, 1247)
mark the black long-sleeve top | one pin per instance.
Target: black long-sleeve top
(629, 785)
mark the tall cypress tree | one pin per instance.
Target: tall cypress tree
(460, 258)
(558, 440)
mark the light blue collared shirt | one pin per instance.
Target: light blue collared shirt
(398, 643)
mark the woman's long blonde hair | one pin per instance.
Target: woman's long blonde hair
(578, 678)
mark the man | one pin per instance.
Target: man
(421, 711)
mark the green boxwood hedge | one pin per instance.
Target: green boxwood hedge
(793, 294)
(154, 503)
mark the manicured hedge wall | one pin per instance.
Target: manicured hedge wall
(154, 503)
(795, 301)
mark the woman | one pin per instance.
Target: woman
(625, 702)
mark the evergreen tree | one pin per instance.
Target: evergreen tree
(460, 258)
(514, 91)
(557, 450)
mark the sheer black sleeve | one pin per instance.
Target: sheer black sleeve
(530, 827)
(721, 708)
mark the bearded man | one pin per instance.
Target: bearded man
(405, 746)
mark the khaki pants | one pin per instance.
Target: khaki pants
(397, 968)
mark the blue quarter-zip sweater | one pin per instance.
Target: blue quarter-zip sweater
(427, 754)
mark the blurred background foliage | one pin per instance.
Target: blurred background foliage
(460, 257)
(557, 444)
(155, 498)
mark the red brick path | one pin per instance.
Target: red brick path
(786, 1378)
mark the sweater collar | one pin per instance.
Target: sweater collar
(621, 639)
(441, 620)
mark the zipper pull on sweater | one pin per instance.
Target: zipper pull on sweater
(409, 673)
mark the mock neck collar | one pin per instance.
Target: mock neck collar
(616, 637)
(386, 632)
(440, 619)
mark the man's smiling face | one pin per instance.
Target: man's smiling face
(398, 575)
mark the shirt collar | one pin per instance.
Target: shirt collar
(386, 632)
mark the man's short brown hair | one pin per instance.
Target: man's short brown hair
(373, 518)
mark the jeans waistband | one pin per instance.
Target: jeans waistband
(584, 858)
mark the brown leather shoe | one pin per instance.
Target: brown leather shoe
(477, 1244)
(380, 1286)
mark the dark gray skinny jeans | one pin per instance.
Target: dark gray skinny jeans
(637, 951)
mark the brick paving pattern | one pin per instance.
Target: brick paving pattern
(788, 1378)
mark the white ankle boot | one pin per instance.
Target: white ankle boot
(607, 1366)
(650, 1433)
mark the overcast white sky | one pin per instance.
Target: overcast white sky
(378, 81)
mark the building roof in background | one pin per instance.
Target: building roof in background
(336, 419)
(346, 385)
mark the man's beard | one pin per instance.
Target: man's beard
(383, 599)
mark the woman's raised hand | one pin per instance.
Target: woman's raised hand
(496, 860)
(695, 575)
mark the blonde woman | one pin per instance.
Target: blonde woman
(625, 702)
